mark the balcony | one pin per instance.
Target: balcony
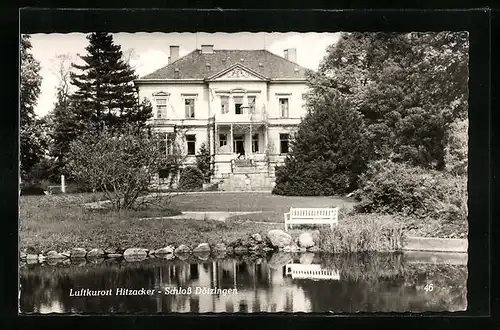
(239, 118)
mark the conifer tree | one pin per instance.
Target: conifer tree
(105, 92)
(328, 151)
(32, 143)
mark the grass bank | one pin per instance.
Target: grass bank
(60, 222)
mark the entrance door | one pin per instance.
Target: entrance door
(239, 144)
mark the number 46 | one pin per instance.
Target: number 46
(428, 287)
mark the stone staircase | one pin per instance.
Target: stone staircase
(247, 176)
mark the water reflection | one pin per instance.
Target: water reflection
(279, 283)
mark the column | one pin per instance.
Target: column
(251, 140)
(266, 133)
(231, 142)
(216, 138)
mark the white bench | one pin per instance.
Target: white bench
(311, 216)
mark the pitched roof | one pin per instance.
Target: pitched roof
(195, 65)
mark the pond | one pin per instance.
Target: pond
(279, 282)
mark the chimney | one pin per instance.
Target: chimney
(174, 54)
(291, 54)
(207, 49)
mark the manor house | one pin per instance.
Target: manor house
(244, 105)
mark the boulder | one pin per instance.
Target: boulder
(95, 253)
(203, 247)
(279, 238)
(41, 257)
(257, 238)
(31, 257)
(135, 253)
(32, 261)
(315, 235)
(54, 255)
(240, 249)
(219, 247)
(307, 258)
(164, 250)
(111, 250)
(23, 256)
(66, 254)
(182, 249)
(114, 255)
(306, 240)
(78, 253)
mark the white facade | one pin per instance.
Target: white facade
(234, 112)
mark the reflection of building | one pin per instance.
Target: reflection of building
(259, 288)
(313, 271)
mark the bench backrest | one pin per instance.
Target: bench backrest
(306, 213)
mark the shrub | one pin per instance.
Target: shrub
(191, 179)
(119, 163)
(362, 233)
(398, 188)
(203, 160)
(456, 150)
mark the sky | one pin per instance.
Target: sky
(149, 51)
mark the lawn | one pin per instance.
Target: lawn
(61, 222)
(271, 206)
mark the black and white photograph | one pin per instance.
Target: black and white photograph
(245, 172)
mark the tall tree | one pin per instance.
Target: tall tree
(409, 88)
(105, 90)
(65, 124)
(32, 144)
(328, 151)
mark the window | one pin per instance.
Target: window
(284, 140)
(222, 140)
(251, 104)
(224, 100)
(238, 102)
(255, 143)
(283, 104)
(161, 107)
(189, 105)
(191, 144)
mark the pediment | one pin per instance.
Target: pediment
(237, 72)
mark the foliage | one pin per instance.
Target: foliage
(361, 233)
(203, 162)
(327, 152)
(122, 164)
(191, 179)
(456, 151)
(45, 169)
(105, 91)
(398, 188)
(408, 87)
(58, 222)
(32, 143)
